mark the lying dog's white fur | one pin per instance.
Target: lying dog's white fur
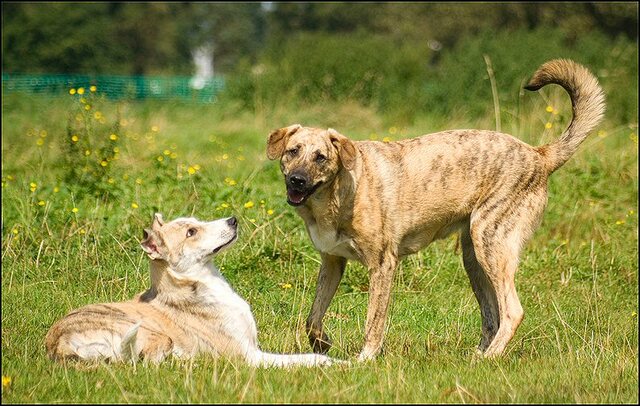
(189, 309)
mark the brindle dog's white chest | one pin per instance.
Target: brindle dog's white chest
(328, 240)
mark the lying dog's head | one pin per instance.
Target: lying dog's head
(185, 242)
(309, 158)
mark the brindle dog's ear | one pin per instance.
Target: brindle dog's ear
(152, 244)
(278, 140)
(346, 148)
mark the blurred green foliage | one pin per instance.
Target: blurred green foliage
(404, 59)
(158, 37)
(400, 82)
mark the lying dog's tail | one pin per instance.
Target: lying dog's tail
(265, 360)
(587, 100)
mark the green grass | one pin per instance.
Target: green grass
(578, 280)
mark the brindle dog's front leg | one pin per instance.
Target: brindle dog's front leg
(329, 277)
(380, 283)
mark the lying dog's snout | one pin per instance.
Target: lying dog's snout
(232, 221)
(297, 181)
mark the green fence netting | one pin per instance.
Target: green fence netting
(118, 87)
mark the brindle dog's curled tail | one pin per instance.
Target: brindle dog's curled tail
(587, 100)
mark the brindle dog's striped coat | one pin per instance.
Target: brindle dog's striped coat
(376, 202)
(189, 309)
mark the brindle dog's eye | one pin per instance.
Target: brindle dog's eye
(191, 232)
(320, 158)
(293, 151)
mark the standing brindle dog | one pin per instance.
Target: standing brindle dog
(376, 202)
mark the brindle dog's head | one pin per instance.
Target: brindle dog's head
(310, 158)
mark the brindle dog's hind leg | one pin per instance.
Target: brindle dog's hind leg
(498, 234)
(482, 289)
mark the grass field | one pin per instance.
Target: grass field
(79, 185)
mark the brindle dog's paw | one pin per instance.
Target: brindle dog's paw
(320, 342)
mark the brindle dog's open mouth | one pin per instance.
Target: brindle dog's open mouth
(297, 197)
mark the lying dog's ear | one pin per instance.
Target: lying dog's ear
(152, 244)
(157, 221)
(346, 148)
(278, 140)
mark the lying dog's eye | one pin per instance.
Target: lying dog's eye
(293, 151)
(191, 232)
(320, 158)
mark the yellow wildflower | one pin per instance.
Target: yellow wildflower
(41, 203)
(138, 181)
(81, 90)
(225, 205)
(87, 107)
(166, 152)
(549, 109)
(72, 91)
(93, 88)
(74, 210)
(393, 130)
(74, 138)
(270, 212)
(548, 125)
(40, 142)
(103, 163)
(56, 189)
(191, 170)
(134, 205)
(248, 204)
(6, 381)
(285, 285)
(619, 222)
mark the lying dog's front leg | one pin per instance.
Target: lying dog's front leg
(329, 277)
(381, 270)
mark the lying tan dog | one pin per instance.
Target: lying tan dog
(376, 202)
(189, 309)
